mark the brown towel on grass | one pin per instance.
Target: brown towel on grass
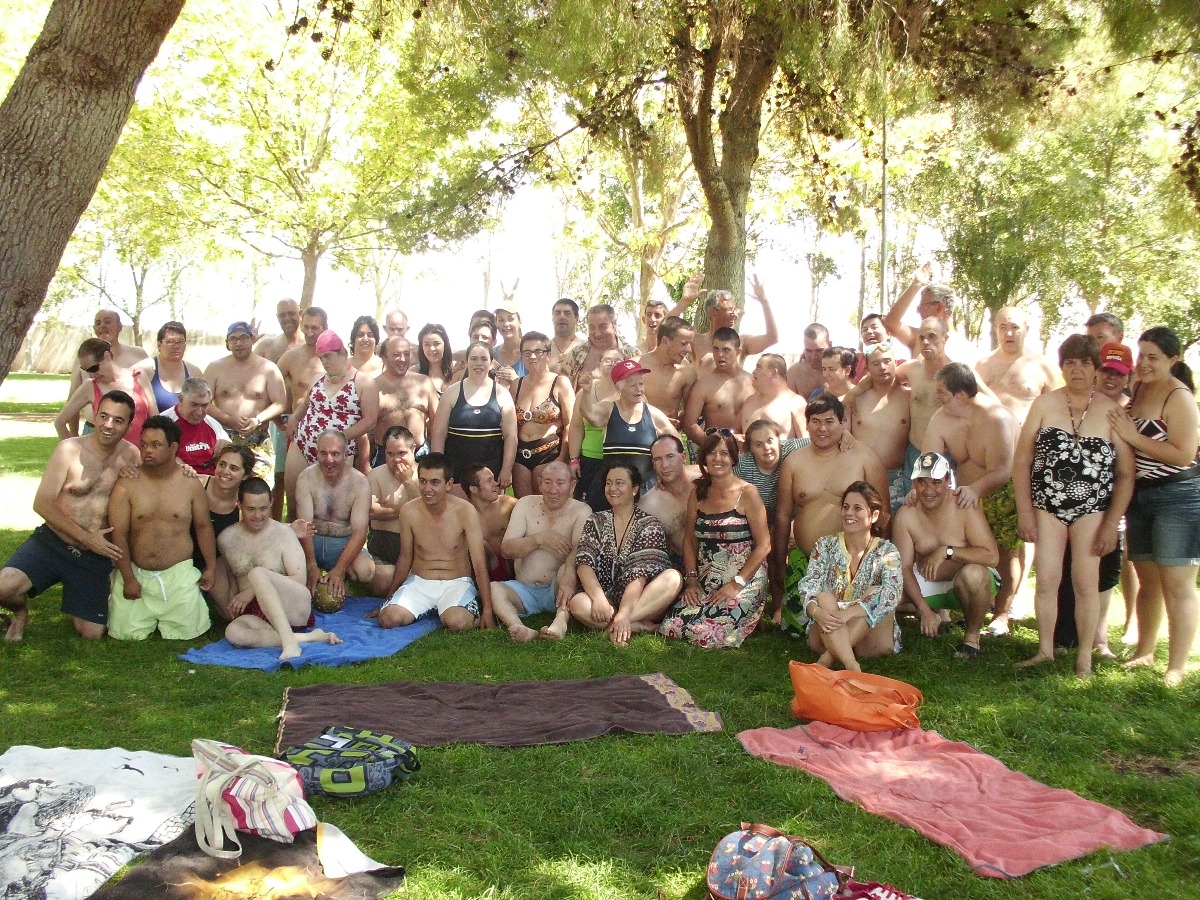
(504, 714)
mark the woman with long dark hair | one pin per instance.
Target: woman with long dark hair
(853, 584)
(1160, 525)
(724, 554)
(434, 356)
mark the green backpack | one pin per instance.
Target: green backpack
(348, 762)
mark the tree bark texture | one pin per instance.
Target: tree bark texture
(59, 125)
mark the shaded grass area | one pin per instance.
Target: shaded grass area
(26, 455)
(11, 408)
(628, 816)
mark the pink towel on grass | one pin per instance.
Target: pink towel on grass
(1003, 823)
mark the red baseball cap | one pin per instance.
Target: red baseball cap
(1116, 356)
(625, 368)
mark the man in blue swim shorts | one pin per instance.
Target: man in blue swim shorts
(543, 532)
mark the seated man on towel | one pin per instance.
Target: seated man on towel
(272, 601)
(947, 553)
(541, 538)
(441, 548)
(153, 518)
(336, 498)
(392, 485)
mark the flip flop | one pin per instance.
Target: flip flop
(966, 651)
(997, 629)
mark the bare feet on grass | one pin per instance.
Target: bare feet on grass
(1139, 662)
(1036, 660)
(16, 628)
(556, 630)
(522, 634)
(1174, 677)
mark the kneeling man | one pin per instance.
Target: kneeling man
(441, 548)
(272, 601)
(541, 538)
(947, 553)
(153, 518)
(336, 498)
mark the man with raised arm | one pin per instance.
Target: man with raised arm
(392, 485)
(935, 301)
(543, 532)
(772, 399)
(107, 327)
(1017, 375)
(804, 376)
(336, 499)
(406, 397)
(287, 313)
(153, 519)
(72, 547)
(881, 418)
(717, 398)
(669, 375)
(247, 393)
(441, 549)
(667, 501)
(947, 553)
(811, 482)
(979, 435)
(271, 605)
(723, 312)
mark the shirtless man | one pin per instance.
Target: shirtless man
(811, 482)
(541, 538)
(441, 548)
(247, 393)
(392, 485)
(837, 370)
(565, 316)
(336, 499)
(300, 368)
(804, 376)
(581, 361)
(920, 374)
(287, 313)
(881, 416)
(395, 323)
(272, 605)
(406, 397)
(772, 399)
(723, 312)
(935, 300)
(272, 347)
(667, 501)
(979, 435)
(72, 547)
(946, 553)
(495, 509)
(1016, 375)
(652, 316)
(871, 330)
(670, 376)
(153, 518)
(717, 398)
(107, 327)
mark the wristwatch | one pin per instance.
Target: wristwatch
(949, 553)
(738, 580)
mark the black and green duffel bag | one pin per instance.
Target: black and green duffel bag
(348, 762)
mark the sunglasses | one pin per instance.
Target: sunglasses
(723, 432)
(92, 370)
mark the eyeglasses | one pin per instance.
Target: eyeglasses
(182, 343)
(92, 370)
(533, 354)
(723, 432)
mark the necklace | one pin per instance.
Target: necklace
(1075, 428)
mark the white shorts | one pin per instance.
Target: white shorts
(421, 596)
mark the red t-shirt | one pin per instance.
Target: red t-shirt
(197, 443)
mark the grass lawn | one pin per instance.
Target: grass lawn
(633, 816)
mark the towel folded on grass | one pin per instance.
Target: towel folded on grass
(1003, 823)
(361, 639)
(503, 714)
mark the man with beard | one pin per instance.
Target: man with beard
(72, 546)
(153, 519)
(247, 393)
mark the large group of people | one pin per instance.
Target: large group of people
(693, 484)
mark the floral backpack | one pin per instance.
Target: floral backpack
(760, 863)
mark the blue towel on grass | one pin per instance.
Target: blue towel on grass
(361, 639)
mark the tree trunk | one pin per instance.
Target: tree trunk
(310, 256)
(59, 125)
